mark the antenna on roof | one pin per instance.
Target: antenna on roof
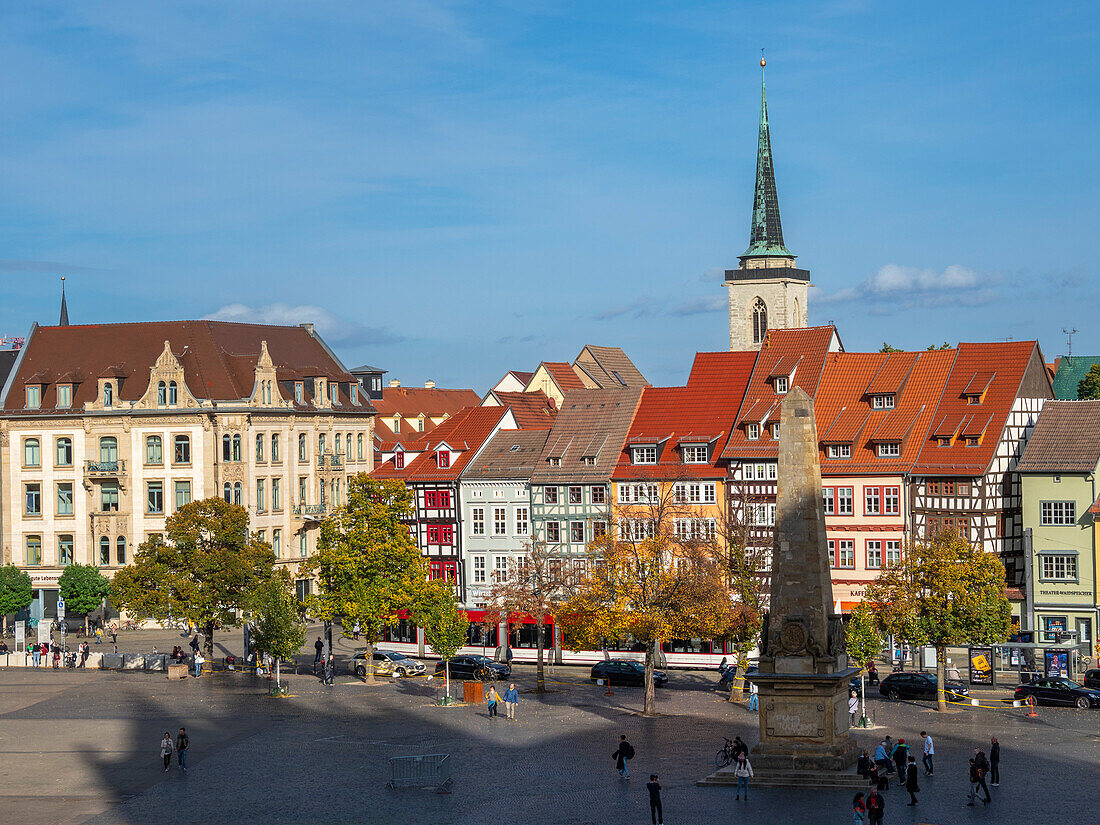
(1069, 340)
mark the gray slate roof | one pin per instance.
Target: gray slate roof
(1066, 439)
(591, 423)
(512, 454)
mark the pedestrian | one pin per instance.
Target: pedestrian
(155, 651)
(194, 644)
(622, 755)
(929, 752)
(166, 748)
(863, 764)
(114, 636)
(36, 655)
(319, 655)
(911, 780)
(742, 770)
(972, 777)
(355, 631)
(55, 649)
(876, 807)
(83, 655)
(754, 697)
(654, 788)
(982, 764)
(739, 747)
(994, 762)
(901, 758)
(511, 699)
(492, 698)
(859, 809)
(99, 635)
(882, 756)
(199, 660)
(872, 673)
(853, 709)
(330, 670)
(183, 742)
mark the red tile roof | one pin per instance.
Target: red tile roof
(563, 375)
(467, 431)
(532, 410)
(409, 402)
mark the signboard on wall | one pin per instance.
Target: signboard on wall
(981, 666)
(1056, 663)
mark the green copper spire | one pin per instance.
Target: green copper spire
(766, 239)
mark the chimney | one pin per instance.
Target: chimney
(429, 384)
(394, 382)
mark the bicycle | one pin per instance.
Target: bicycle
(724, 756)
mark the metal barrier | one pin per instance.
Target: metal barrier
(421, 772)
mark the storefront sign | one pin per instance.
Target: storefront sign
(981, 666)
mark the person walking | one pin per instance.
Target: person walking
(994, 762)
(114, 635)
(355, 631)
(654, 788)
(876, 807)
(330, 671)
(982, 764)
(972, 776)
(859, 809)
(622, 755)
(872, 674)
(99, 635)
(911, 780)
(743, 771)
(929, 752)
(492, 698)
(183, 742)
(166, 748)
(83, 655)
(511, 699)
(901, 758)
(199, 660)
(853, 709)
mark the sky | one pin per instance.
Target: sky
(450, 190)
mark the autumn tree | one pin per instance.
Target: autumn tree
(1088, 388)
(943, 592)
(864, 643)
(445, 626)
(83, 588)
(747, 562)
(277, 625)
(16, 591)
(204, 571)
(367, 567)
(654, 575)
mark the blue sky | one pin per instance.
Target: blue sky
(449, 190)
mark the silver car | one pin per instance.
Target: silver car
(386, 663)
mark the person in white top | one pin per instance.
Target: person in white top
(742, 770)
(929, 752)
(853, 709)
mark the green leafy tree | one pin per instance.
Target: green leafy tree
(277, 625)
(83, 588)
(1088, 388)
(445, 626)
(944, 345)
(944, 593)
(205, 572)
(887, 348)
(864, 644)
(367, 567)
(16, 592)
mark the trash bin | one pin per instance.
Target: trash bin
(473, 692)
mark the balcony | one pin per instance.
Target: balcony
(311, 512)
(105, 469)
(330, 461)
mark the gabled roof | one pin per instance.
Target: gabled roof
(465, 432)
(609, 368)
(511, 454)
(533, 410)
(1071, 369)
(563, 375)
(1066, 439)
(587, 417)
(409, 402)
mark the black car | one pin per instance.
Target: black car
(1058, 691)
(920, 686)
(474, 667)
(625, 672)
(1092, 678)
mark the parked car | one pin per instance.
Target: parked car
(386, 663)
(1060, 692)
(1092, 678)
(626, 672)
(920, 686)
(475, 667)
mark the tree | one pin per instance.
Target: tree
(445, 626)
(1088, 388)
(864, 643)
(83, 588)
(368, 568)
(277, 625)
(647, 581)
(16, 591)
(887, 348)
(942, 592)
(535, 585)
(746, 563)
(205, 572)
(944, 345)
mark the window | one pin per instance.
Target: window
(479, 569)
(65, 550)
(893, 551)
(104, 551)
(553, 532)
(183, 493)
(162, 394)
(1058, 568)
(599, 529)
(173, 393)
(303, 544)
(891, 449)
(500, 568)
(32, 453)
(599, 494)
(837, 500)
(277, 542)
(443, 459)
(276, 494)
(550, 495)
(477, 517)
(34, 550)
(440, 534)
(260, 504)
(399, 460)
(1057, 513)
(759, 321)
(872, 501)
(554, 461)
(108, 394)
(694, 455)
(523, 526)
(396, 425)
(32, 496)
(840, 451)
(752, 432)
(782, 384)
(108, 449)
(589, 461)
(637, 493)
(500, 522)
(299, 397)
(882, 402)
(694, 529)
(227, 448)
(348, 450)
(120, 549)
(874, 552)
(694, 492)
(275, 447)
(320, 444)
(237, 498)
(437, 499)
(775, 431)
(154, 453)
(645, 455)
(64, 395)
(108, 497)
(64, 452)
(842, 553)
(334, 393)
(34, 396)
(303, 490)
(576, 495)
(236, 448)
(891, 500)
(65, 498)
(181, 449)
(303, 449)
(359, 446)
(576, 532)
(154, 497)
(760, 514)
(227, 492)
(259, 448)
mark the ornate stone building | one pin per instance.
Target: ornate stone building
(105, 430)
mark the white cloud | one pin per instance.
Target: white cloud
(896, 287)
(332, 328)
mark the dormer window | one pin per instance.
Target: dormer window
(299, 392)
(108, 394)
(173, 394)
(644, 455)
(839, 451)
(973, 399)
(589, 461)
(973, 440)
(420, 423)
(64, 395)
(353, 391)
(752, 432)
(945, 441)
(334, 393)
(399, 460)
(782, 384)
(882, 402)
(695, 455)
(891, 449)
(396, 424)
(554, 461)
(34, 396)
(162, 394)
(775, 431)
(443, 459)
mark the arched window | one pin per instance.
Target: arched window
(108, 448)
(259, 448)
(32, 453)
(759, 321)
(320, 446)
(173, 393)
(236, 448)
(153, 450)
(275, 447)
(359, 446)
(162, 394)
(237, 493)
(183, 449)
(227, 493)
(120, 547)
(338, 443)
(64, 452)
(227, 447)
(302, 447)
(104, 551)
(108, 395)
(348, 450)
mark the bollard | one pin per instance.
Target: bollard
(1031, 706)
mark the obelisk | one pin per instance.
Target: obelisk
(803, 676)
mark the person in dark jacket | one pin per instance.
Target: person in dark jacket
(982, 764)
(739, 747)
(183, 742)
(624, 752)
(994, 762)
(911, 780)
(319, 656)
(901, 758)
(876, 807)
(872, 674)
(330, 670)
(863, 766)
(194, 644)
(654, 788)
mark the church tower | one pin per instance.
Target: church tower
(766, 291)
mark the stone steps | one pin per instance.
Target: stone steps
(789, 779)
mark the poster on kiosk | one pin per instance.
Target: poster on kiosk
(1056, 663)
(981, 666)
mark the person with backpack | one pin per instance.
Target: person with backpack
(492, 699)
(982, 764)
(742, 769)
(901, 758)
(166, 748)
(622, 755)
(654, 788)
(183, 742)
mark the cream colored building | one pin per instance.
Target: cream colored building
(105, 430)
